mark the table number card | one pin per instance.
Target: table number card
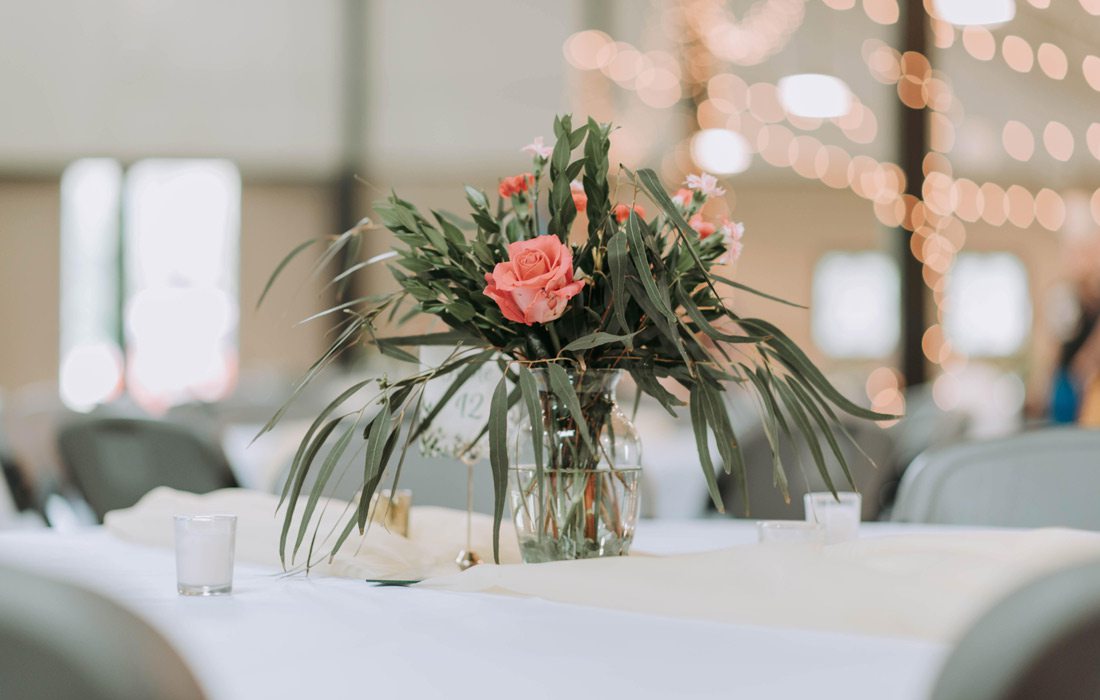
(464, 416)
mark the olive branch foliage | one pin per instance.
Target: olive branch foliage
(651, 306)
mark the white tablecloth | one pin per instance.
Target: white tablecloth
(298, 637)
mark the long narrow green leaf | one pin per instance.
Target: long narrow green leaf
(641, 264)
(459, 381)
(826, 429)
(563, 389)
(299, 479)
(373, 260)
(334, 349)
(791, 355)
(452, 337)
(325, 413)
(282, 264)
(698, 319)
(595, 340)
(751, 290)
(617, 260)
(771, 433)
(376, 448)
(728, 446)
(529, 388)
(647, 382)
(498, 457)
(318, 488)
(699, 428)
(794, 408)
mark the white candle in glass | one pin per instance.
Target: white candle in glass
(204, 554)
(839, 514)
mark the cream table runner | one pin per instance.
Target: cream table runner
(435, 534)
(927, 586)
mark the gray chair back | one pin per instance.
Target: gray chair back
(116, 461)
(1041, 641)
(765, 500)
(58, 641)
(1044, 478)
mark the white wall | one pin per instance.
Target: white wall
(257, 81)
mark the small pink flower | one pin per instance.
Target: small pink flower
(705, 183)
(536, 283)
(732, 233)
(682, 198)
(538, 149)
(703, 228)
(622, 212)
(580, 199)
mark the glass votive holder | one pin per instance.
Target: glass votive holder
(789, 532)
(391, 510)
(204, 554)
(839, 514)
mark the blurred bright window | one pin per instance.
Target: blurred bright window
(856, 304)
(91, 360)
(988, 307)
(174, 286)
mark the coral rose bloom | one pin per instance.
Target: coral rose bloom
(622, 212)
(536, 283)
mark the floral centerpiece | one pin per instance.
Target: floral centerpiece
(563, 311)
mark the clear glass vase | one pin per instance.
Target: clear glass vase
(584, 502)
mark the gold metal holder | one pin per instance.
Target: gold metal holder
(466, 559)
(392, 510)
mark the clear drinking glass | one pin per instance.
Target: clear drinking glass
(839, 514)
(204, 554)
(789, 532)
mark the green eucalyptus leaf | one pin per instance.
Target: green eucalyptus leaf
(563, 389)
(498, 457)
(327, 467)
(595, 340)
(282, 264)
(699, 428)
(379, 435)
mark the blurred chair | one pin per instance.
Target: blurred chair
(765, 501)
(924, 426)
(58, 642)
(116, 461)
(1037, 479)
(1041, 641)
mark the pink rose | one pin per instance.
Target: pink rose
(536, 283)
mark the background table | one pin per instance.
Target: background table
(296, 637)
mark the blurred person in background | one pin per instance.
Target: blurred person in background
(1075, 390)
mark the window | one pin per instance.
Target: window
(177, 301)
(988, 310)
(91, 356)
(856, 305)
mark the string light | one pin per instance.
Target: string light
(1052, 61)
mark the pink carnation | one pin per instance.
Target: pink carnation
(703, 228)
(536, 283)
(732, 233)
(683, 197)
